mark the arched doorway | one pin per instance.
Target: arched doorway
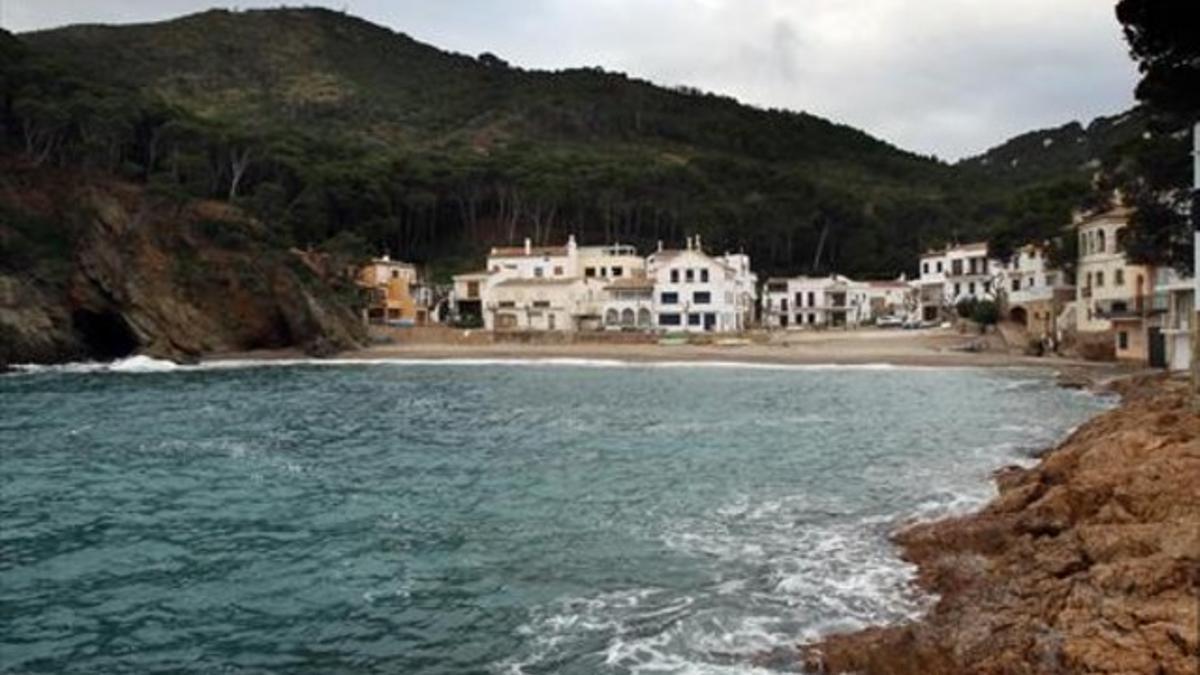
(611, 317)
(627, 317)
(643, 317)
(1019, 315)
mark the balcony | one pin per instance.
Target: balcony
(1134, 307)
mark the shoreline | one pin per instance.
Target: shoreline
(859, 348)
(1084, 562)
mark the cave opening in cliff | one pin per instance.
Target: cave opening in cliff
(106, 334)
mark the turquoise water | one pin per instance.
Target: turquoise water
(441, 518)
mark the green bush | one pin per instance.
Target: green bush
(985, 313)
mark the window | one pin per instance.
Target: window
(537, 272)
(589, 272)
(507, 304)
(799, 299)
(670, 298)
(690, 275)
(971, 288)
(618, 271)
(957, 290)
(541, 304)
(668, 319)
(1029, 282)
(783, 321)
(395, 274)
(674, 276)
(702, 297)
(939, 267)
(1016, 284)
(693, 319)
(1123, 340)
(704, 276)
(1101, 245)
(1099, 279)
(956, 267)
(812, 300)
(783, 304)
(812, 318)
(558, 270)
(1119, 277)
(473, 289)
(925, 268)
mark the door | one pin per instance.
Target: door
(550, 321)
(1158, 347)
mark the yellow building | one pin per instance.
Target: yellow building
(390, 287)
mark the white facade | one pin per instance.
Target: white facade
(696, 292)
(571, 287)
(812, 302)
(1029, 278)
(1177, 327)
(958, 273)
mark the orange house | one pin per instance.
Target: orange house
(389, 284)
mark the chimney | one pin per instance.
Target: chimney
(528, 246)
(571, 241)
(660, 246)
(688, 243)
(698, 246)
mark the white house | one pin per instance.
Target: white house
(1034, 292)
(951, 275)
(813, 302)
(1177, 326)
(696, 292)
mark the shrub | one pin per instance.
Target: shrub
(985, 313)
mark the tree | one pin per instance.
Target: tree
(1164, 39)
(1153, 174)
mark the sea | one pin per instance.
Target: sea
(482, 516)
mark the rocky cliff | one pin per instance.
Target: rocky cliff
(93, 268)
(1087, 563)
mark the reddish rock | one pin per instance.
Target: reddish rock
(1087, 563)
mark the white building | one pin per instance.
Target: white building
(1034, 293)
(555, 288)
(1177, 326)
(812, 302)
(952, 275)
(696, 292)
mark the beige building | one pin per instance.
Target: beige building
(1113, 298)
(549, 288)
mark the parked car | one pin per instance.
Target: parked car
(889, 322)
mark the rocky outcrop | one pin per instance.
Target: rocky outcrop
(1087, 563)
(144, 275)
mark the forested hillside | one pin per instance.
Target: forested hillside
(341, 134)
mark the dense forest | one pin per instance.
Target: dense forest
(342, 135)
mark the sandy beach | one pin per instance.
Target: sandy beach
(930, 347)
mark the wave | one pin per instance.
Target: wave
(146, 364)
(132, 364)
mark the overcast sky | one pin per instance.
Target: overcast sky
(944, 77)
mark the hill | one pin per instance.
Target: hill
(352, 129)
(1069, 150)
